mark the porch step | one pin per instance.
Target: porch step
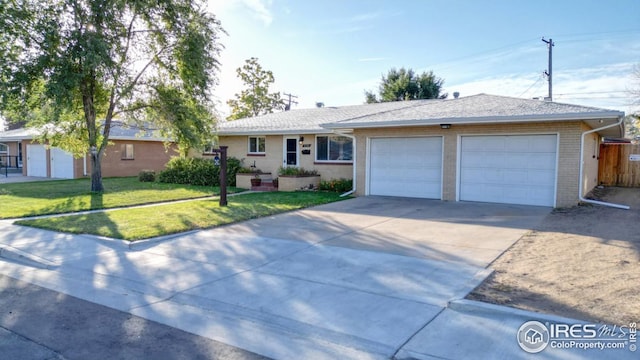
(265, 185)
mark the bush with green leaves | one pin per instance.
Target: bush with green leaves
(337, 185)
(198, 171)
(147, 176)
(296, 171)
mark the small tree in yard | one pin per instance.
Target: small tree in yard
(404, 84)
(73, 66)
(255, 99)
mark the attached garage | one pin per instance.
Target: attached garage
(408, 167)
(61, 164)
(36, 160)
(510, 169)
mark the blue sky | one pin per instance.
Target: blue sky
(333, 50)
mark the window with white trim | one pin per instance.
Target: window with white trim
(257, 144)
(4, 151)
(126, 152)
(210, 148)
(334, 148)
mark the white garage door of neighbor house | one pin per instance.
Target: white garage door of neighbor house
(36, 160)
(518, 169)
(61, 164)
(407, 167)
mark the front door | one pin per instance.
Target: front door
(290, 155)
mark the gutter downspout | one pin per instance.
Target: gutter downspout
(352, 137)
(580, 195)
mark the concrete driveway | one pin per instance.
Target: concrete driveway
(353, 279)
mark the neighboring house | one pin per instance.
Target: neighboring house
(131, 150)
(478, 148)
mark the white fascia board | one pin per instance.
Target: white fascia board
(273, 132)
(612, 115)
(133, 138)
(16, 138)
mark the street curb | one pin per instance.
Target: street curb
(136, 244)
(465, 305)
(11, 253)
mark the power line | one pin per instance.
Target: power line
(597, 97)
(594, 92)
(288, 106)
(532, 85)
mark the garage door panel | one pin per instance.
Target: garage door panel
(472, 159)
(410, 167)
(515, 176)
(541, 177)
(492, 160)
(36, 160)
(514, 160)
(542, 161)
(517, 169)
(544, 145)
(61, 164)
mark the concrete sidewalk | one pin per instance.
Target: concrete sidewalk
(305, 284)
(19, 178)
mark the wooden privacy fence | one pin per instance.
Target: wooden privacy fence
(619, 165)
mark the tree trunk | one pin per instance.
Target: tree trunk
(96, 172)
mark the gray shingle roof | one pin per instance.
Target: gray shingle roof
(304, 120)
(119, 131)
(480, 108)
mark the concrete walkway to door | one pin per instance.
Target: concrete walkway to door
(353, 279)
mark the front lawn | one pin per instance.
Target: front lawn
(63, 196)
(152, 221)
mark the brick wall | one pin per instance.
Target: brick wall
(272, 160)
(147, 155)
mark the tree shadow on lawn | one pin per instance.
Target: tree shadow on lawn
(79, 222)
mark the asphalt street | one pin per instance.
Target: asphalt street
(41, 324)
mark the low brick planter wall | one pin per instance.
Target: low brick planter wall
(243, 180)
(293, 183)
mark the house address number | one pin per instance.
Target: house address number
(634, 157)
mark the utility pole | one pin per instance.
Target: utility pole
(288, 106)
(549, 72)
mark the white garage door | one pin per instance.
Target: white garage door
(409, 167)
(509, 169)
(36, 160)
(61, 164)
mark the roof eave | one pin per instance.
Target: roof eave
(614, 115)
(134, 138)
(273, 132)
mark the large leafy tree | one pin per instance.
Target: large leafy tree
(255, 99)
(404, 84)
(73, 66)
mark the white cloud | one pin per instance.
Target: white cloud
(605, 87)
(260, 9)
(365, 17)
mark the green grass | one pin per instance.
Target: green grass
(63, 196)
(147, 222)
